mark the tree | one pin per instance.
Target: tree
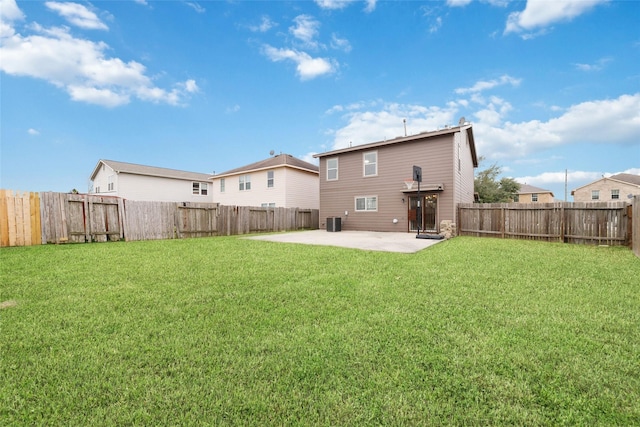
(490, 189)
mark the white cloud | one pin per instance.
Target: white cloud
(9, 11)
(597, 66)
(233, 109)
(436, 25)
(265, 25)
(306, 29)
(310, 159)
(333, 4)
(190, 86)
(371, 6)
(195, 6)
(490, 84)
(307, 67)
(33, 132)
(82, 68)
(94, 95)
(388, 122)
(340, 44)
(458, 3)
(539, 14)
(77, 15)
(610, 121)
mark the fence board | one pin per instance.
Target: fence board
(4, 218)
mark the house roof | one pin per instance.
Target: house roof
(530, 189)
(134, 169)
(626, 178)
(401, 139)
(279, 160)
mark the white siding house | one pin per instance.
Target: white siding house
(149, 183)
(280, 181)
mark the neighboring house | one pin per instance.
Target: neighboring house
(280, 181)
(531, 194)
(620, 187)
(370, 187)
(149, 183)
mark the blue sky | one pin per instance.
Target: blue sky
(204, 86)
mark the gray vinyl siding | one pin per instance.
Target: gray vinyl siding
(436, 157)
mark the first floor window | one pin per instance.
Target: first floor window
(595, 194)
(222, 185)
(268, 205)
(245, 183)
(200, 188)
(615, 194)
(269, 179)
(367, 204)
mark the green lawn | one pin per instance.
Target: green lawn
(231, 331)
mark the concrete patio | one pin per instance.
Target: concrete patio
(365, 240)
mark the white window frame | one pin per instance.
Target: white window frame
(615, 194)
(200, 188)
(331, 169)
(222, 184)
(595, 194)
(534, 197)
(270, 179)
(367, 203)
(268, 205)
(244, 182)
(365, 164)
(110, 183)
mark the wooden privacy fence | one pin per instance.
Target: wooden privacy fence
(603, 223)
(33, 218)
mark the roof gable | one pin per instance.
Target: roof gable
(279, 160)
(403, 139)
(135, 169)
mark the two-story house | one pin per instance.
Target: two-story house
(280, 181)
(149, 183)
(370, 187)
(617, 188)
(531, 194)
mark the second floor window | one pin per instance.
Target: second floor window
(332, 169)
(370, 163)
(269, 179)
(615, 194)
(110, 183)
(222, 185)
(245, 183)
(595, 194)
(534, 197)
